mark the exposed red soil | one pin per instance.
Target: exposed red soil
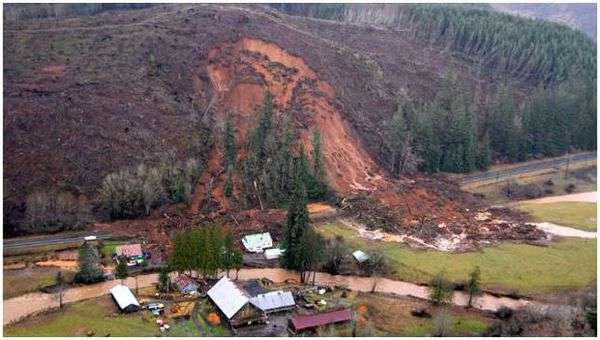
(241, 71)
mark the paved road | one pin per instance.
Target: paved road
(527, 168)
(18, 243)
(25, 305)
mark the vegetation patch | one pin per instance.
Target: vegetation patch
(91, 317)
(510, 267)
(581, 215)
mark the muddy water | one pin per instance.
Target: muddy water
(25, 305)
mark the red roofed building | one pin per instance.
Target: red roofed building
(129, 250)
(305, 322)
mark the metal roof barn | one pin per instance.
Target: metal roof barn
(274, 301)
(227, 296)
(360, 256)
(256, 243)
(124, 299)
(304, 322)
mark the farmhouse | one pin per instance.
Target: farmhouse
(301, 323)
(125, 299)
(234, 304)
(133, 253)
(274, 301)
(256, 243)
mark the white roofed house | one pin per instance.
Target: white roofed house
(257, 243)
(125, 299)
(235, 304)
(274, 301)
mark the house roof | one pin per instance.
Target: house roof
(123, 296)
(301, 322)
(257, 242)
(273, 300)
(360, 256)
(129, 250)
(227, 296)
(183, 281)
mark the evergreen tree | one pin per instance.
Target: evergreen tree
(164, 281)
(441, 290)
(90, 270)
(296, 226)
(122, 271)
(230, 149)
(474, 285)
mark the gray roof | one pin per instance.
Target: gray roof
(123, 296)
(360, 256)
(257, 242)
(273, 300)
(227, 296)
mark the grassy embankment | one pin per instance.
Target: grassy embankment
(581, 215)
(534, 270)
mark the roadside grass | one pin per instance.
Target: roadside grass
(507, 268)
(581, 215)
(584, 180)
(83, 318)
(108, 247)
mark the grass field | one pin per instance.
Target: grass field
(80, 318)
(581, 215)
(391, 316)
(22, 281)
(509, 267)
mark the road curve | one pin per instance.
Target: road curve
(20, 307)
(526, 168)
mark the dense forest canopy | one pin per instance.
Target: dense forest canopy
(525, 49)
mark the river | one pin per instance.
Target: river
(22, 306)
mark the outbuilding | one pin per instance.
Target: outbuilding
(272, 302)
(185, 284)
(125, 299)
(235, 304)
(301, 323)
(257, 243)
(360, 256)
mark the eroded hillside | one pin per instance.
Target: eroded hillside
(90, 96)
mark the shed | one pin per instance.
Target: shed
(306, 322)
(360, 256)
(185, 284)
(274, 301)
(125, 299)
(256, 243)
(234, 304)
(273, 253)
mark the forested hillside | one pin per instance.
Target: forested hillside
(559, 62)
(127, 111)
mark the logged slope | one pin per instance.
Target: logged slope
(89, 96)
